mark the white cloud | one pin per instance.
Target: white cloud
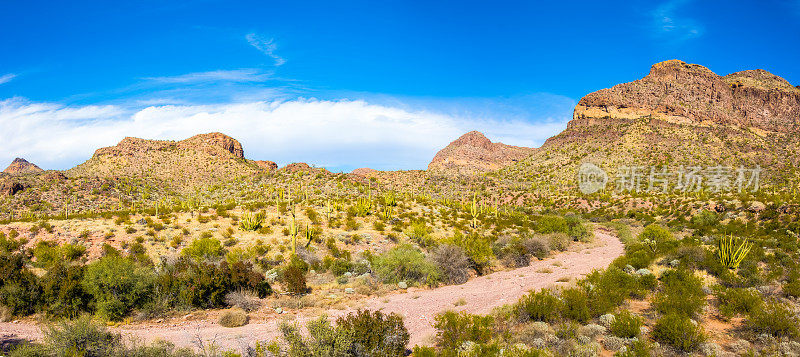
(673, 27)
(266, 46)
(338, 134)
(7, 78)
(244, 75)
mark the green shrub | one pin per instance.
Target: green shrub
(539, 306)
(575, 304)
(638, 348)
(551, 224)
(775, 319)
(405, 263)
(734, 301)
(626, 325)
(204, 248)
(655, 237)
(419, 233)
(63, 294)
(234, 317)
(19, 287)
(681, 292)
(477, 247)
(358, 334)
(188, 283)
(678, 331)
(453, 329)
(374, 333)
(81, 337)
(117, 285)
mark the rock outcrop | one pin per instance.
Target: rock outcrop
(10, 187)
(199, 160)
(678, 114)
(473, 153)
(364, 171)
(21, 166)
(266, 165)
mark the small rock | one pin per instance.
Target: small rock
(643, 272)
(278, 310)
(402, 285)
(349, 291)
(348, 274)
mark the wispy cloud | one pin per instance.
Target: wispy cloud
(244, 75)
(266, 46)
(7, 78)
(339, 134)
(669, 25)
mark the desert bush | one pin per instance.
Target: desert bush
(626, 325)
(511, 252)
(190, 283)
(477, 247)
(558, 241)
(792, 288)
(576, 229)
(233, 317)
(63, 294)
(453, 329)
(19, 287)
(204, 248)
(656, 238)
(551, 224)
(681, 293)
(295, 279)
(117, 285)
(734, 301)
(405, 263)
(419, 233)
(358, 334)
(575, 304)
(679, 331)
(539, 306)
(536, 246)
(374, 333)
(81, 337)
(452, 262)
(638, 348)
(775, 319)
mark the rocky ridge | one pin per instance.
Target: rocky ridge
(473, 153)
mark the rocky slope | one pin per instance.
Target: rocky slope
(473, 153)
(201, 159)
(679, 114)
(21, 166)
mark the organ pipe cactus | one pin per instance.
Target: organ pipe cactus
(730, 255)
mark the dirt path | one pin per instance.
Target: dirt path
(479, 295)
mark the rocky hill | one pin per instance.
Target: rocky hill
(201, 159)
(21, 166)
(473, 153)
(679, 114)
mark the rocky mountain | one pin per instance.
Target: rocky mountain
(473, 153)
(678, 114)
(21, 166)
(201, 159)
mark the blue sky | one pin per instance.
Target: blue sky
(348, 84)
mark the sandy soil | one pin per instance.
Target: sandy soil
(418, 306)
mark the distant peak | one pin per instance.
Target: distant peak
(473, 138)
(21, 166)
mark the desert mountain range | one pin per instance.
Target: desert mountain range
(679, 113)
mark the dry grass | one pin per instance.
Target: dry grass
(234, 317)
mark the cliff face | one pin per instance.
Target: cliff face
(473, 153)
(682, 93)
(679, 114)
